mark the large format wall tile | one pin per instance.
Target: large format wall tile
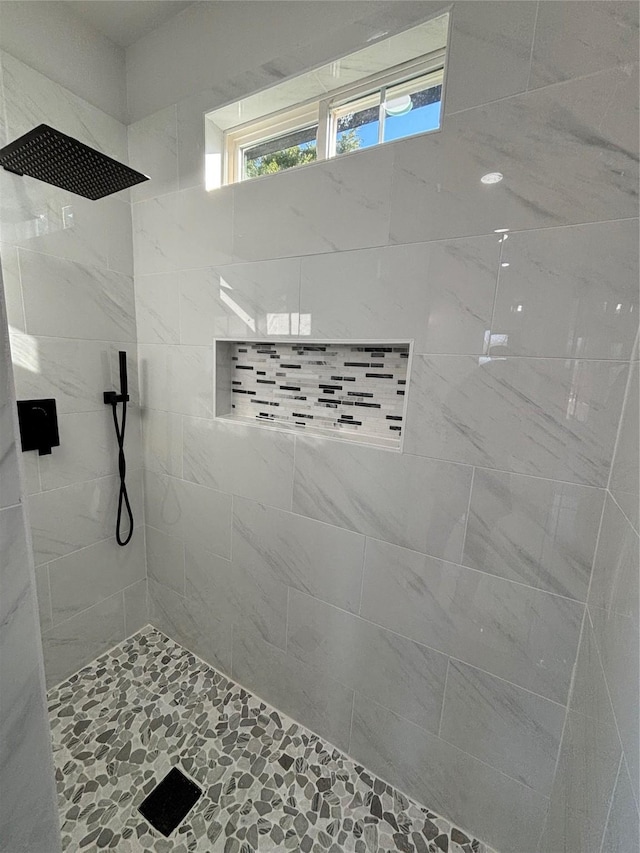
(418, 503)
(401, 675)
(625, 472)
(303, 693)
(183, 230)
(325, 207)
(520, 634)
(561, 295)
(153, 150)
(78, 640)
(540, 532)
(439, 294)
(165, 559)
(585, 778)
(158, 308)
(308, 555)
(615, 581)
(548, 417)
(569, 45)
(162, 441)
(239, 459)
(450, 780)
(64, 520)
(65, 299)
(238, 594)
(240, 300)
(136, 607)
(490, 52)
(623, 824)
(191, 623)
(196, 514)
(177, 379)
(510, 729)
(91, 574)
(562, 162)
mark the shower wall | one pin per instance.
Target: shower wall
(28, 808)
(67, 265)
(421, 610)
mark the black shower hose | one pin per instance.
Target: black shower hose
(123, 497)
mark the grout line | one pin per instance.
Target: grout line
(533, 44)
(444, 696)
(633, 524)
(613, 791)
(466, 521)
(364, 563)
(595, 551)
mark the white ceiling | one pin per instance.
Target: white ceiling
(125, 21)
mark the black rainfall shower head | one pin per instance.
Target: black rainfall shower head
(51, 156)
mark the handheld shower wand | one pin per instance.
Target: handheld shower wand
(111, 398)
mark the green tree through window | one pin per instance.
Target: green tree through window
(297, 155)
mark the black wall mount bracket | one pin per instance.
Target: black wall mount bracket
(38, 421)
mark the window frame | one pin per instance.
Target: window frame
(323, 113)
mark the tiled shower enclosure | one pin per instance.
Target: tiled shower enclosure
(453, 615)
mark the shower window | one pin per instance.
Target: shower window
(387, 91)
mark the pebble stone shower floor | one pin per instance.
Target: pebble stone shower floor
(121, 723)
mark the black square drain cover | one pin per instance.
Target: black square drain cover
(170, 801)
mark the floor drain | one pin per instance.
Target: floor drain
(170, 801)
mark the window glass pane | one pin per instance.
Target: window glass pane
(358, 128)
(408, 111)
(284, 152)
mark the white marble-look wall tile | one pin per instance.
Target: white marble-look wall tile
(562, 162)
(153, 150)
(439, 294)
(162, 442)
(411, 501)
(64, 520)
(568, 292)
(490, 52)
(191, 623)
(584, 783)
(624, 482)
(539, 532)
(43, 594)
(236, 593)
(83, 578)
(325, 207)
(9, 476)
(616, 637)
(65, 299)
(158, 308)
(523, 635)
(88, 450)
(185, 230)
(12, 286)
(240, 300)
(401, 675)
(451, 781)
(165, 559)
(297, 690)
(569, 45)
(76, 641)
(547, 417)
(196, 514)
(623, 823)
(42, 218)
(308, 555)
(136, 607)
(615, 581)
(239, 459)
(177, 379)
(509, 728)
(32, 98)
(75, 372)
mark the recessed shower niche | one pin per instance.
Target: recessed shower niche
(353, 390)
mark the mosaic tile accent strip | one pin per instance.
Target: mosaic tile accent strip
(269, 784)
(357, 390)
